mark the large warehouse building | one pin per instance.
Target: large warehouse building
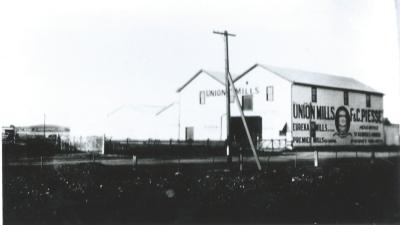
(284, 107)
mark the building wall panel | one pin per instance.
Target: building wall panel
(336, 123)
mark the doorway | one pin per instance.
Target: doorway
(238, 133)
(189, 133)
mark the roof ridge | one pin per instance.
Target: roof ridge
(308, 71)
(317, 78)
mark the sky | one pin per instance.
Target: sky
(79, 61)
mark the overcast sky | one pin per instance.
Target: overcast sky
(77, 61)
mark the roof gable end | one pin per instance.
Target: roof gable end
(216, 75)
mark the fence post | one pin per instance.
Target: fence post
(241, 159)
(336, 154)
(134, 161)
(272, 143)
(112, 147)
(315, 158)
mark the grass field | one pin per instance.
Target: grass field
(109, 190)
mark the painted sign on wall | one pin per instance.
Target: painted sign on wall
(335, 125)
(239, 91)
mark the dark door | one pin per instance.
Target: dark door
(238, 132)
(189, 133)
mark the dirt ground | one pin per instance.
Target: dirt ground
(349, 189)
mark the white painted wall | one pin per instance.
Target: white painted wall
(207, 118)
(274, 113)
(333, 99)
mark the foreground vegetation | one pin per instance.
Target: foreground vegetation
(344, 191)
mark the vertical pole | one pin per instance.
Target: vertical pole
(179, 118)
(221, 126)
(44, 125)
(241, 159)
(227, 90)
(103, 145)
(315, 158)
(397, 7)
(311, 138)
(228, 100)
(372, 157)
(272, 143)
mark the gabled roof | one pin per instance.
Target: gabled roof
(216, 75)
(314, 79)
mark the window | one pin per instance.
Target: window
(368, 100)
(270, 93)
(314, 94)
(202, 98)
(247, 102)
(346, 97)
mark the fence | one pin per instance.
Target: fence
(156, 147)
(162, 147)
(267, 145)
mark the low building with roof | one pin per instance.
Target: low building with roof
(284, 108)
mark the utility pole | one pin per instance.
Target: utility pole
(313, 129)
(227, 90)
(397, 7)
(44, 125)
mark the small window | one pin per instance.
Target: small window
(346, 97)
(314, 94)
(202, 98)
(368, 100)
(247, 102)
(270, 93)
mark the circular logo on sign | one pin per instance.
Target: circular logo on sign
(342, 122)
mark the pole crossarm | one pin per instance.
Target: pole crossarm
(224, 33)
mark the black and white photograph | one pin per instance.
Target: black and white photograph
(200, 112)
